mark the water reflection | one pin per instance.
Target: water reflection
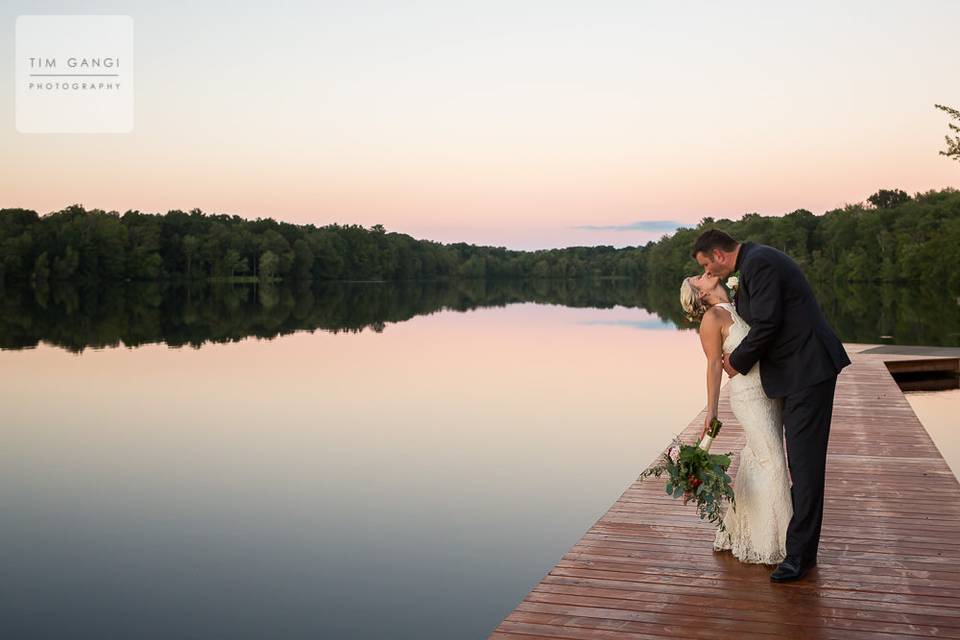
(412, 483)
(134, 314)
(346, 483)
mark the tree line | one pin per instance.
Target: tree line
(77, 244)
(891, 237)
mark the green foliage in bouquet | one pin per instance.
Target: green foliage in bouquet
(695, 474)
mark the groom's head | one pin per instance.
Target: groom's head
(716, 252)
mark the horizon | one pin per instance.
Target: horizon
(664, 234)
(529, 128)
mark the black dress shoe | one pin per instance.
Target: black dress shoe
(789, 569)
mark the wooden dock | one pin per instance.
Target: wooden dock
(889, 561)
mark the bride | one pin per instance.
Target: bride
(756, 530)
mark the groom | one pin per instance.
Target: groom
(799, 356)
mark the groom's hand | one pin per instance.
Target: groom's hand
(729, 368)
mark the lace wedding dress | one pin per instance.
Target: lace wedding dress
(756, 530)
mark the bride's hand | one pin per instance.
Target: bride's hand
(706, 424)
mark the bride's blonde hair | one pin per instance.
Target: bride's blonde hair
(690, 301)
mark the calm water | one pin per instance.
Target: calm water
(400, 474)
(939, 411)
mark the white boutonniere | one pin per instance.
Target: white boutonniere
(733, 283)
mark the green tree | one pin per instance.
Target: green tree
(888, 198)
(234, 263)
(302, 261)
(41, 269)
(953, 143)
(65, 267)
(269, 262)
(191, 248)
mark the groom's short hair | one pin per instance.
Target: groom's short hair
(713, 239)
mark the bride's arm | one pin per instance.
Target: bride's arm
(711, 338)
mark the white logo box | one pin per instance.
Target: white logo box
(74, 73)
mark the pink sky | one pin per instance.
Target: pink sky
(506, 126)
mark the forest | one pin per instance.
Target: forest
(890, 237)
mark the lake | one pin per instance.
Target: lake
(351, 461)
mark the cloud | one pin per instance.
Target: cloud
(652, 323)
(660, 226)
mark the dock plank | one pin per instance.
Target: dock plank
(889, 561)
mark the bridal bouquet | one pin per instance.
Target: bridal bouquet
(696, 474)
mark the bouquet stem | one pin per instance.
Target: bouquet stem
(711, 433)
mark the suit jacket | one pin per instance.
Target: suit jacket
(788, 336)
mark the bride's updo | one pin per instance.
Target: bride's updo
(690, 301)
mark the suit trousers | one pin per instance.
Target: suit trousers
(806, 422)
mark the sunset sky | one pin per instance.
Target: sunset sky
(526, 124)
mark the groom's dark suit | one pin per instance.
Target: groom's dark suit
(800, 357)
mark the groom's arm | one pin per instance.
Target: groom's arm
(766, 312)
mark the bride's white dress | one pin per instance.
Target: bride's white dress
(756, 530)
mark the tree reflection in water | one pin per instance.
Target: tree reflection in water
(107, 315)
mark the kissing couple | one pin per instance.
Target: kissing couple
(783, 360)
